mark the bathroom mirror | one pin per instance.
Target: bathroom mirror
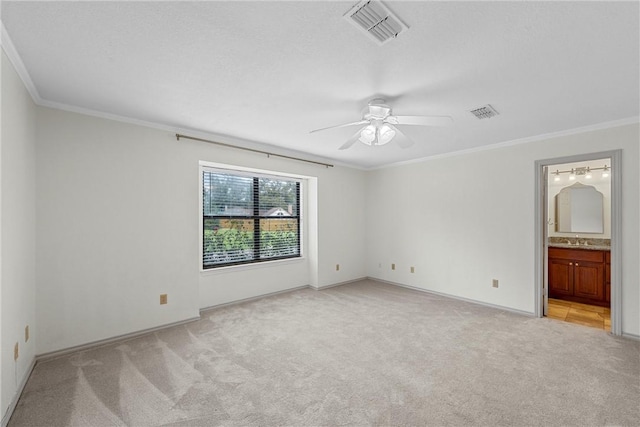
(579, 209)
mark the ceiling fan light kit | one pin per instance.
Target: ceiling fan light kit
(376, 134)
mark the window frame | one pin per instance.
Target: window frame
(255, 174)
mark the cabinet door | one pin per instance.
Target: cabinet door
(560, 277)
(588, 280)
(607, 282)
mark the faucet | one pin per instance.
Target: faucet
(576, 242)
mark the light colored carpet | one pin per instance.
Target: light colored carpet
(365, 353)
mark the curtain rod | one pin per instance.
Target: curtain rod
(178, 136)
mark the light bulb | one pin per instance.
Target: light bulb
(386, 134)
(368, 134)
(572, 177)
(556, 178)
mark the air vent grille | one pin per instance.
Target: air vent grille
(376, 20)
(485, 112)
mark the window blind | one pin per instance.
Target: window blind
(248, 219)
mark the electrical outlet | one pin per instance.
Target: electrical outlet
(26, 333)
(337, 267)
(413, 269)
(495, 283)
(16, 352)
(393, 266)
(163, 298)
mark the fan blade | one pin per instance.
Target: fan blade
(351, 141)
(404, 141)
(420, 120)
(361, 122)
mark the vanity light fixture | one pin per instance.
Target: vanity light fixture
(585, 171)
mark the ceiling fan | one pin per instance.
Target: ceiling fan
(381, 125)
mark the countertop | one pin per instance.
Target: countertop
(587, 247)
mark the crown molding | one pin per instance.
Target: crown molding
(16, 60)
(227, 139)
(11, 52)
(541, 137)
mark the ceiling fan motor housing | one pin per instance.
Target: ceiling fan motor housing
(377, 109)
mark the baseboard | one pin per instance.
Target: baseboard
(125, 337)
(270, 294)
(100, 343)
(18, 393)
(631, 336)
(257, 297)
(469, 300)
(107, 341)
(319, 288)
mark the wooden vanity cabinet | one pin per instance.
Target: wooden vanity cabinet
(578, 275)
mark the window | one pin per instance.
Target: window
(248, 218)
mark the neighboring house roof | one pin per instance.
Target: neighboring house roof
(277, 212)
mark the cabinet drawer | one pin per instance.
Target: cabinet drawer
(576, 254)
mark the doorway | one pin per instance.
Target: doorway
(577, 240)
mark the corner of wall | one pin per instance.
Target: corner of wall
(6, 416)
(17, 235)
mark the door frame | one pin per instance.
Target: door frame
(540, 227)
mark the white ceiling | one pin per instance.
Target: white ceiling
(270, 71)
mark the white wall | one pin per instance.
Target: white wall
(117, 225)
(340, 239)
(17, 193)
(467, 219)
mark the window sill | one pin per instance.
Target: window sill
(243, 267)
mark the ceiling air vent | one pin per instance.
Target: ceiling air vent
(485, 112)
(376, 20)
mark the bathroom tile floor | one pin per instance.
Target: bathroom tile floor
(583, 314)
